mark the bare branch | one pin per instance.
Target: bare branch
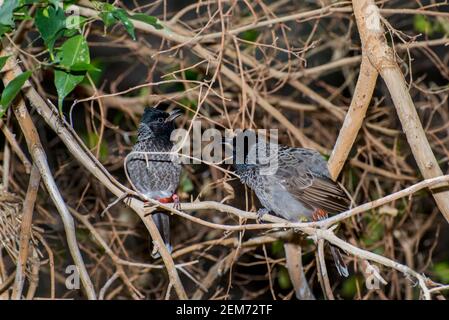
(383, 59)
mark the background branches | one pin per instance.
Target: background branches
(77, 75)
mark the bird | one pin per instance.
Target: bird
(155, 176)
(299, 186)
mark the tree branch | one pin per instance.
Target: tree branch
(40, 160)
(383, 59)
(82, 154)
(354, 117)
(25, 232)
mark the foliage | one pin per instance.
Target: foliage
(424, 25)
(11, 91)
(228, 80)
(71, 61)
(441, 270)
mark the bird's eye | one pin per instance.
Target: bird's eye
(160, 120)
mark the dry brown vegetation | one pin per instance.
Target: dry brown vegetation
(365, 83)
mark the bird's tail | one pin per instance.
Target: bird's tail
(162, 222)
(339, 262)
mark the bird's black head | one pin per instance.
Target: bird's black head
(156, 122)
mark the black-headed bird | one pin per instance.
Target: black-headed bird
(151, 168)
(297, 186)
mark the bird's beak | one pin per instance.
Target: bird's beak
(173, 115)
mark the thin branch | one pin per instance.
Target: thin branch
(322, 269)
(332, 238)
(15, 146)
(169, 34)
(40, 160)
(25, 232)
(208, 205)
(296, 272)
(382, 57)
(354, 117)
(82, 154)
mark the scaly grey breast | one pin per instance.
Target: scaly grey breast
(154, 175)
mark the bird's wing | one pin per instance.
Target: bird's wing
(305, 176)
(304, 160)
(138, 173)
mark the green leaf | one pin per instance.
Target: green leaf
(74, 54)
(249, 35)
(441, 270)
(50, 22)
(7, 12)
(3, 61)
(186, 184)
(118, 118)
(192, 104)
(4, 29)
(95, 72)
(349, 288)
(121, 15)
(151, 20)
(27, 2)
(284, 278)
(11, 91)
(108, 18)
(92, 141)
(441, 26)
(277, 248)
(75, 23)
(106, 6)
(68, 33)
(65, 83)
(422, 24)
(111, 14)
(444, 25)
(374, 231)
(22, 13)
(84, 67)
(192, 74)
(56, 3)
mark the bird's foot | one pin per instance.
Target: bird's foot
(260, 213)
(176, 202)
(173, 199)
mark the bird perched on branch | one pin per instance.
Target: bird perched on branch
(151, 170)
(298, 187)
